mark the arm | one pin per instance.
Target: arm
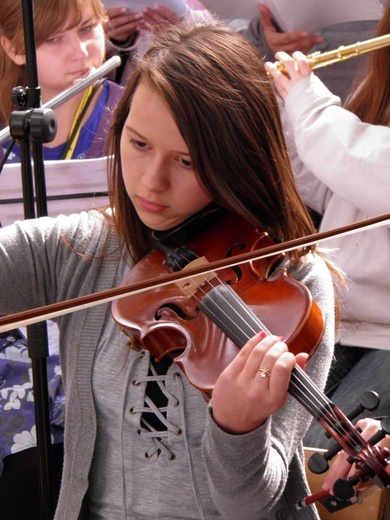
(253, 472)
(268, 37)
(122, 26)
(350, 157)
(314, 192)
(26, 276)
(50, 259)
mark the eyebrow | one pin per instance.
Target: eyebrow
(72, 25)
(90, 20)
(131, 129)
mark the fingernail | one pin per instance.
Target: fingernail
(263, 334)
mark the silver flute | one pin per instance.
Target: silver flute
(109, 65)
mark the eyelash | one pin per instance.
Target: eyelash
(186, 163)
(140, 145)
(86, 28)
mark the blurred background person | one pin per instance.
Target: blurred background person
(130, 31)
(268, 37)
(340, 157)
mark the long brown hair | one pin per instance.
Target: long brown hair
(49, 19)
(225, 108)
(371, 98)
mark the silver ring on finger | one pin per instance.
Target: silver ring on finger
(264, 372)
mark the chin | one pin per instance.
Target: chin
(161, 226)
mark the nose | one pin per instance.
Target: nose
(77, 48)
(155, 175)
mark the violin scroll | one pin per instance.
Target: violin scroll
(318, 462)
(372, 463)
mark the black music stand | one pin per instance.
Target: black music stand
(32, 126)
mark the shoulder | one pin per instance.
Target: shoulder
(86, 226)
(348, 33)
(315, 274)
(115, 92)
(89, 231)
(309, 264)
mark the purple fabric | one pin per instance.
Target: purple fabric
(17, 415)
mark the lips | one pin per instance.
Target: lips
(150, 206)
(81, 74)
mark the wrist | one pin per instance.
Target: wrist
(228, 428)
(129, 42)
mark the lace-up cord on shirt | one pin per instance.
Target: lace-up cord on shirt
(147, 430)
(158, 436)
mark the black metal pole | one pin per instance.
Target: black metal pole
(31, 127)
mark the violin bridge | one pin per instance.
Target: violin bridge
(190, 286)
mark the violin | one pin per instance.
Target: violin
(201, 323)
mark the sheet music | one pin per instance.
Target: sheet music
(178, 6)
(72, 186)
(292, 15)
(232, 9)
(310, 16)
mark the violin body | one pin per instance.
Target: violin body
(168, 320)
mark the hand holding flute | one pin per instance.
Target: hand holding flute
(323, 59)
(295, 68)
(290, 69)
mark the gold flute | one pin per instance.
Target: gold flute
(323, 59)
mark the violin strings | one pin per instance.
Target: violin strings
(317, 401)
(312, 397)
(318, 404)
(314, 401)
(329, 417)
(222, 311)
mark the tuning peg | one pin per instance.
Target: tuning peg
(380, 434)
(318, 462)
(343, 488)
(368, 401)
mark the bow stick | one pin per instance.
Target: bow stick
(21, 319)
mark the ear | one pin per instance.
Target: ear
(19, 59)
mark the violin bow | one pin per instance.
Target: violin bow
(54, 310)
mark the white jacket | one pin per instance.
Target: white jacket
(342, 168)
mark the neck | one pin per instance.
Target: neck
(194, 224)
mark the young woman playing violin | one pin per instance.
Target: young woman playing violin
(196, 134)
